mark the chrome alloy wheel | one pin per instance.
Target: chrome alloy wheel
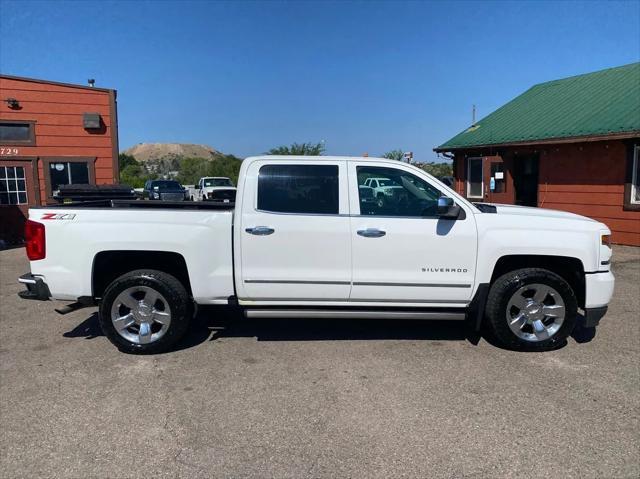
(535, 312)
(141, 315)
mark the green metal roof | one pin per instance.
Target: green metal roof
(601, 103)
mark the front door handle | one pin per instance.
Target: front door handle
(260, 230)
(372, 233)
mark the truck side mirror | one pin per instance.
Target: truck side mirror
(447, 208)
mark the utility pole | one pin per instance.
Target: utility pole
(473, 115)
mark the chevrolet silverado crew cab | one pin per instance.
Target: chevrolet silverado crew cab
(304, 240)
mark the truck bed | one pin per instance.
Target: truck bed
(76, 233)
(142, 204)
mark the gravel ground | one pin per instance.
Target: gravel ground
(315, 398)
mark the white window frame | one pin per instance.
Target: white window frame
(14, 182)
(469, 160)
(634, 174)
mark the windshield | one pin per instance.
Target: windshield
(166, 185)
(217, 182)
(387, 182)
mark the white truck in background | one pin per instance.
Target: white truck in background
(305, 239)
(213, 188)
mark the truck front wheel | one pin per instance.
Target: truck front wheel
(531, 309)
(145, 311)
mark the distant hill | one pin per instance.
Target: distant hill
(167, 151)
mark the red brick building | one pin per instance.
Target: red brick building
(570, 144)
(51, 134)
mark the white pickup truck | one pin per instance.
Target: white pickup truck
(301, 242)
(213, 188)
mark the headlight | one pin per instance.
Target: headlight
(155, 195)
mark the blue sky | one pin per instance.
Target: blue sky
(362, 76)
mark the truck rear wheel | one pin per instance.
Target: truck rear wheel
(531, 309)
(145, 312)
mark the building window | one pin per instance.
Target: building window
(15, 132)
(635, 176)
(13, 186)
(302, 189)
(67, 170)
(68, 173)
(632, 180)
(475, 185)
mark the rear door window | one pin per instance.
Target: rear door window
(302, 189)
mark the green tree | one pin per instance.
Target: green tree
(125, 160)
(192, 169)
(225, 165)
(133, 172)
(394, 155)
(437, 169)
(301, 149)
(133, 175)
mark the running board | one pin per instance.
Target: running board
(83, 302)
(352, 314)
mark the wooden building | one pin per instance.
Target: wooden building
(51, 134)
(571, 144)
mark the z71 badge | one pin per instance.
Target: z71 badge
(58, 216)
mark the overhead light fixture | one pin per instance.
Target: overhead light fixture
(91, 121)
(13, 103)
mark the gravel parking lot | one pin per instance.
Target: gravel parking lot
(315, 398)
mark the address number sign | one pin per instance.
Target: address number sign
(8, 151)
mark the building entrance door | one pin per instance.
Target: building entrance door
(496, 178)
(17, 193)
(525, 180)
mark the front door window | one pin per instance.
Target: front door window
(394, 192)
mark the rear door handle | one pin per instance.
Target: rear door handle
(260, 230)
(372, 233)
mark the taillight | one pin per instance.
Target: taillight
(34, 237)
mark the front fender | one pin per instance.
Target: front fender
(495, 243)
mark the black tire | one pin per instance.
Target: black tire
(504, 288)
(170, 288)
